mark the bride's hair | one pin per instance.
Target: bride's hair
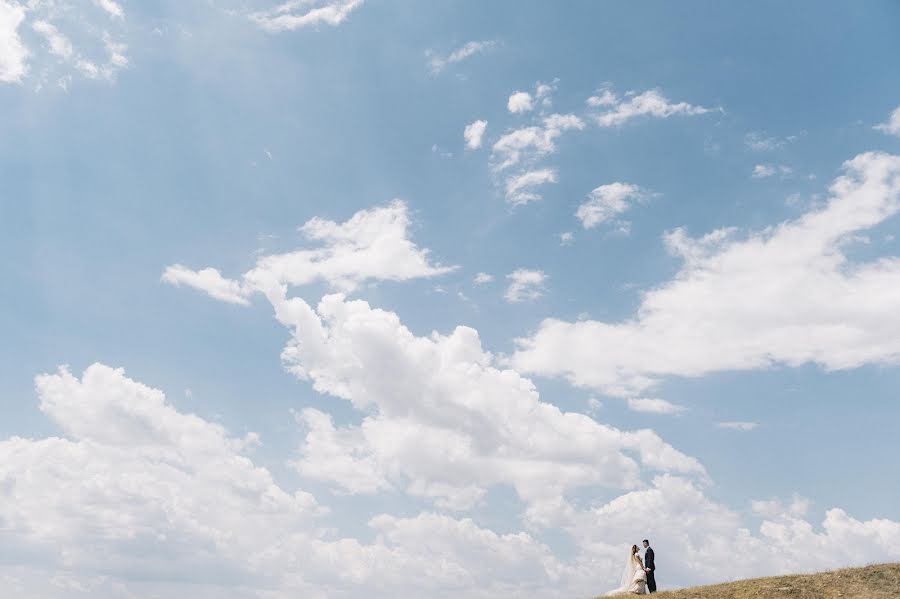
(634, 549)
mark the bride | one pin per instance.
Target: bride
(634, 579)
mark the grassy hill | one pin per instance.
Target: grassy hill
(871, 582)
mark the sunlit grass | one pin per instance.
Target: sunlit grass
(870, 582)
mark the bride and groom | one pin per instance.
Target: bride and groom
(639, 576)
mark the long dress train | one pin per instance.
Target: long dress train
(635, 581)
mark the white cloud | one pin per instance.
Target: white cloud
(333, 454)
(608, 201)
(675, 514)
(520, 102)
(526, 147)
(88, 68)
(482, 278)
(116, 52)
(436, 149)
(649, 103)
(785, 295)
(438, 63)
(519, 188)
(775, 508)
(112, 7)
(443, 422)
(373, 245)
(654, 406)
(605, 98)
(738, 425)
(481, 562)
(761, 171)
(793, 199)
(138, 484)
(139, 487)
(525, 285)
(473, 134)
(566, 237)
(58, 44)
(296, 14)
(892, 126)
(13, 53)
(64, 34)
(209, 280)
(758, 141)
(542, 92)
(534, 142)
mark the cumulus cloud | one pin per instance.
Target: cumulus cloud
(892, 126)
(617, 111)
(604, 98)
(333, 454)
(473, 134)
(373, 245)
(520, 102)
(775, 508)
(520, 188)
(762, 171)
(529, 143)
(675, 513)
(137, 486)
(482, 278)
(785, 295)
(759, 141)
(524, 148)
(653, 406)
(209, 280)
(64, 36)
(429, 539)
(608, 201)
(13, 53)
(297, 14)
(525, 285)
(57, 43)
(517, 154)
(543, 91)
(438, 63)
(112, 7)
(445, 424)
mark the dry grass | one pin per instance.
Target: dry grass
(871, 582)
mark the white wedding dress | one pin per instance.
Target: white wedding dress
(634, 578)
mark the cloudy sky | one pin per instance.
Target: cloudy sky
(374, 298)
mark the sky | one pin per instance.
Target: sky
(372, 298)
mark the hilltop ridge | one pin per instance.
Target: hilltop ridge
(880, 581)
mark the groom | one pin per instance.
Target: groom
(649, 566)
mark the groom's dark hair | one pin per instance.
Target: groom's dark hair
(646, 541)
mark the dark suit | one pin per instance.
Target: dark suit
(649, 563)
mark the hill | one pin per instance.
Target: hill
(870, 582)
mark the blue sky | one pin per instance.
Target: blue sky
(141, 144)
